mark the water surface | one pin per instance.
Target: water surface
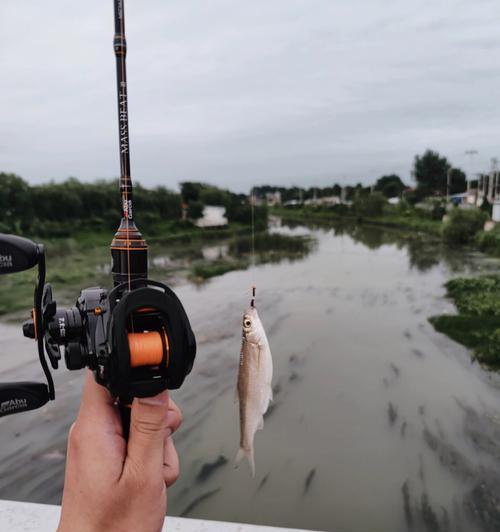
(379, 423)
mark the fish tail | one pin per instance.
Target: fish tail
(249, 454)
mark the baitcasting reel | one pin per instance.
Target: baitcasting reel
(136, 338)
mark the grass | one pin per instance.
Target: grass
(477, 325)
(391, 218)
(269, 247)
(205, 270)
(81, 261)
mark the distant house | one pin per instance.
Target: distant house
(292, 203)
(273, 198)
(327, 201)
(213, 216)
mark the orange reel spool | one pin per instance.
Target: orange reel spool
(148, 348)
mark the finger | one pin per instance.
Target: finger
(97, 403)
(174, 416)
(148, 430)
(171, 466)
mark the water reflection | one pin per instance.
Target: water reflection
(424, 251)
(378, 422)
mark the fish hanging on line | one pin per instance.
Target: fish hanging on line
(254, 388)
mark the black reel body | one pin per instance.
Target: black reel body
(136, 338)
(111, 333)
(149, 307)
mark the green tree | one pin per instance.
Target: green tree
(190, 191)
(214, 196)
(15, 203)
(458, 181)
(391, 185)
(431, 173)
(195, 209)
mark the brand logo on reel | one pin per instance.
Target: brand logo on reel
(62, 328)
(12, 405)
(5, 261)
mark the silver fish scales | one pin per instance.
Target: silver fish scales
(254, 388)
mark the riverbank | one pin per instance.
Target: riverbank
(350, 341)
(177, 252)
(391, 220)
(477, 324)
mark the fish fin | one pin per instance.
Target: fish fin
(239, 457)
(249, 454)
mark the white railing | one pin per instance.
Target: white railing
(29, 517)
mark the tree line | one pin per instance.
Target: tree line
(430, 172)
(58, 209)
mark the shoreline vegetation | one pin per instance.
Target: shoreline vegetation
(76, 221)
(175, 254)
(477, 300)
(477, 324)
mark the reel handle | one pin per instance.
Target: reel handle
(18, 397)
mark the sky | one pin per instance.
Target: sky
(241, 93)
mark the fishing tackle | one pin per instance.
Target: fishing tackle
(136, 337)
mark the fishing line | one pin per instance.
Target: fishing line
(252, 204)
(252, 209)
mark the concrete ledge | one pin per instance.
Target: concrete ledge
(29, 517)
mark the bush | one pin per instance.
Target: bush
(489, 241)
(195, 209)
(370, 205)
(463, 225)
(477, 296)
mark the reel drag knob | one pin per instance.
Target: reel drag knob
(75, 356)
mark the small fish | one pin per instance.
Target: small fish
(209, 468)
(254, 388)
(309, 479)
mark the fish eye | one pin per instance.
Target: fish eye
(247, 323)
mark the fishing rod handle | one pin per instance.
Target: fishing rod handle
(125, 409)
(18, 397)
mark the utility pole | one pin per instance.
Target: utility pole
(471, 154)
(491, 188)
(448, 184)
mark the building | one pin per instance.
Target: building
(213, 216)
(273, 198)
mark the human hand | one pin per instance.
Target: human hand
(113, 485)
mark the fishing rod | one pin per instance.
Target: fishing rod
(129, 250)
(136, 337)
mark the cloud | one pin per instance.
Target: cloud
(239, 93)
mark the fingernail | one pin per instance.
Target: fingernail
(168, 432)
(158, 400)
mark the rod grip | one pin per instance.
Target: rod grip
(18, 397)
(125, 408)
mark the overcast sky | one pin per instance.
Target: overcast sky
(240, 93)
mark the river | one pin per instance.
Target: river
(379, 423)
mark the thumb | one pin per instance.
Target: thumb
(148, 430)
